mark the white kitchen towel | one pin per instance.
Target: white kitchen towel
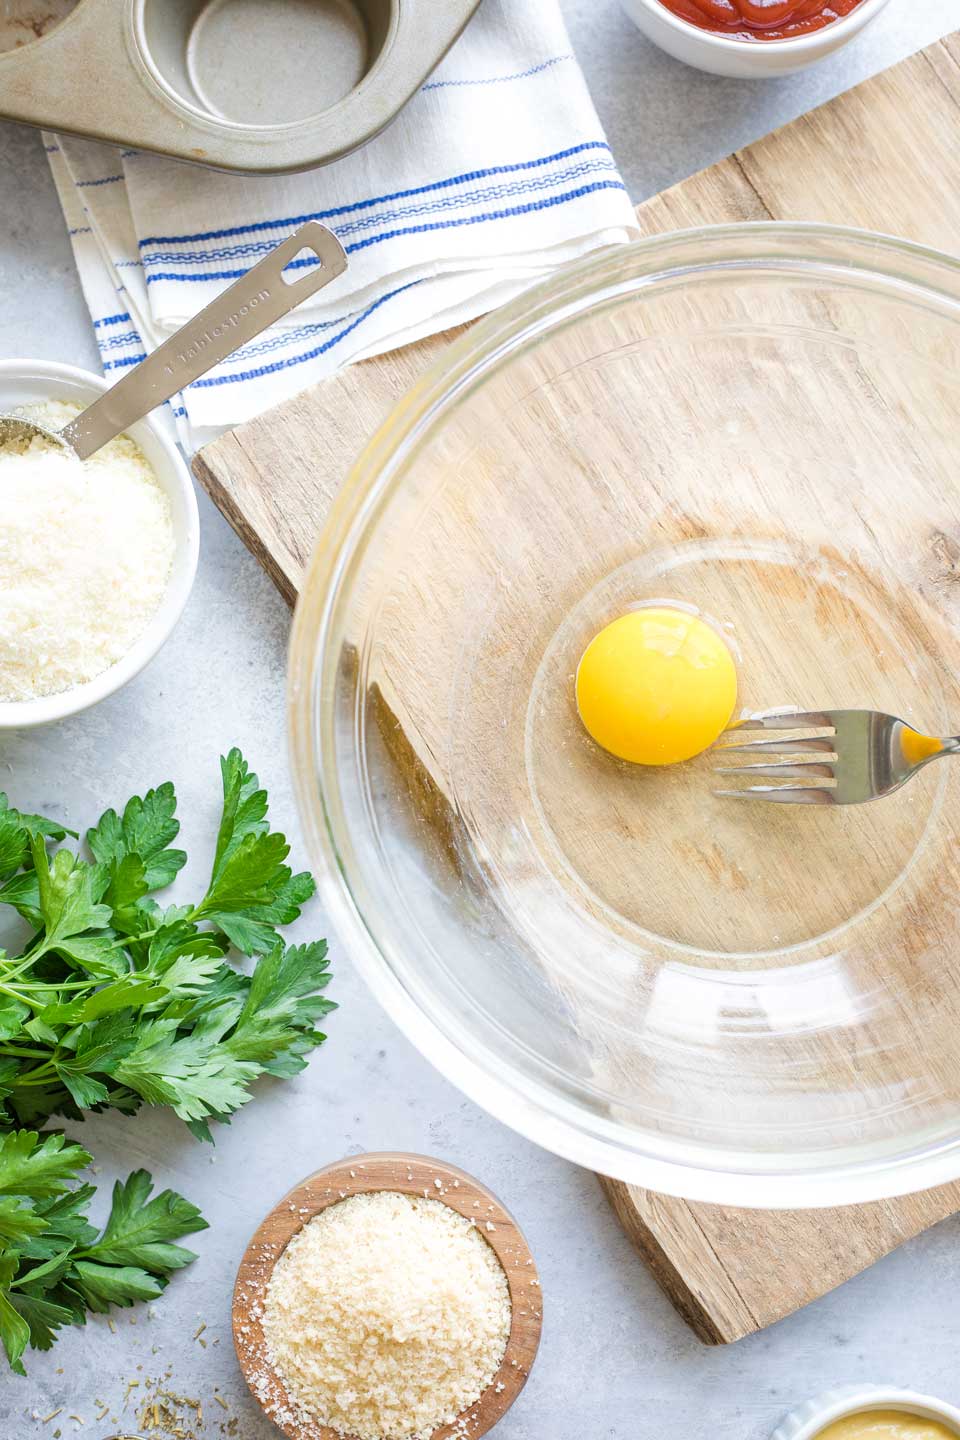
(496, 172)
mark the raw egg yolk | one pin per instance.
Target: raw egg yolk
(656, 686)
(916, 747)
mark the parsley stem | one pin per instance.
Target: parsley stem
(39, 1076)
(20, 992)
(58, 985)
(12, 972)
(18, 995)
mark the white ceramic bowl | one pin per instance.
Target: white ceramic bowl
(814, 1415)
(24, 382)
(745, 59)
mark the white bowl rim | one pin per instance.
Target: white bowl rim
(808, 1419)
(24, 714)
(845, 28)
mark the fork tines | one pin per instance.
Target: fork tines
(785, 720)
(812, 759)
(782, 794)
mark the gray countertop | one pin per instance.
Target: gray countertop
(616, 1360)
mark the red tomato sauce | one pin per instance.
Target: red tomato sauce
(760, 19)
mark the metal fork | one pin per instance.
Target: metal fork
(857, 755)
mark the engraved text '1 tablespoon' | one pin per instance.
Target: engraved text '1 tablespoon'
(255, 301)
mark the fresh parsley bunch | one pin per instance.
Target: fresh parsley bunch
(55, 1265)
(117, 1001)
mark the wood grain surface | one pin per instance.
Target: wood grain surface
(730, 1272)
(410, 1175)
(882, 157)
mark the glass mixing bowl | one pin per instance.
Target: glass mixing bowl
(735, 1002)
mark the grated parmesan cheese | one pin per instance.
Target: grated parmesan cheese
(386, 1316)
(86, 550)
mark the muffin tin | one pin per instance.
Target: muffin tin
(230, 83)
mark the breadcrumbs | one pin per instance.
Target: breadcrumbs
(386, 1316)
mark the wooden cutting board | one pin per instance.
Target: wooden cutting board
(885, 157)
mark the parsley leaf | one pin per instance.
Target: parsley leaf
(13, 1012)
(104, 1285)
(251, 890)
(145, 832)
(187, 1029)
(70, 893)
(184, 958)
(18, 1222)
(35, 824)
(54, 1266)
(35, 1168)
(43, 1318)
(14, 845)
(193, 1074)
(14, 1330)
(23, 894)
(16, 830)
(276, 1025)
(244, 808)
(139, 1229)
(121, 1000)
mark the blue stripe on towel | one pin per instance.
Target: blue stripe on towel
(498, 79)
(252, 249)
(291, 221)
(116, 342)
(125, 361)
(112, 320)
(211, 381)
(281, 339)
(549, 202)
(104, 180)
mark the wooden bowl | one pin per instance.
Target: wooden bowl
(410, 1175)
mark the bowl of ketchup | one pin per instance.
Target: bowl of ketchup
(751, 38)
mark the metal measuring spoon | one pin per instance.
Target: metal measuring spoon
(262, 296)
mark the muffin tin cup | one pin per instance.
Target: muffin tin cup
(225, 83)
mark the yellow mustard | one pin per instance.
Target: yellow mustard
(886, 1425)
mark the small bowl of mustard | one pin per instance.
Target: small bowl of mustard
(871, 1412)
